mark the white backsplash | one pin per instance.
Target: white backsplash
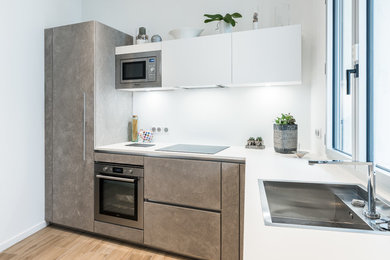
(222, 116)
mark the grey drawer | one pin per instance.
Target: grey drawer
(183, 182)
(119, 232)
(191, 232)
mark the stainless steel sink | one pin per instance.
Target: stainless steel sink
(316, 205)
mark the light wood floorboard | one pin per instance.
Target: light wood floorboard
(57, 243)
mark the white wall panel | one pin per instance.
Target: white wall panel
(22, 24)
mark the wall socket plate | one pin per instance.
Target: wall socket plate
(160, 129)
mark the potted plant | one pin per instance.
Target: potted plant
(259, 141)
(285, 134)
(225, 23)
(251, 141)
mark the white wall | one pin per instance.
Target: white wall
(222, 116)
(159, 17)
(227, 116)
(22, 24)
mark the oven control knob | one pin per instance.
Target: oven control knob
(152, 69)
(130, 171)
(105, 168)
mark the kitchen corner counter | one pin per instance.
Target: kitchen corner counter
(271, 242)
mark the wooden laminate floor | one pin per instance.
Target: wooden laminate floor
(57, 243)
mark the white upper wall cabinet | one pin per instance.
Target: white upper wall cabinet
(270, 56)
(200, 61)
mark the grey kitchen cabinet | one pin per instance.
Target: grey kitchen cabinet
(191, 232)
(72, 62)
(183, 182)
(194, 207)
(230, 219)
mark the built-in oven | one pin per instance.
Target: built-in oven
(119, 194)
(138, 70)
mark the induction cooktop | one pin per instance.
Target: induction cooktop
(191, 148)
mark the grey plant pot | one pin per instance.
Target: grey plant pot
(285, 138)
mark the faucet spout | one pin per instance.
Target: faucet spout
(370, 211)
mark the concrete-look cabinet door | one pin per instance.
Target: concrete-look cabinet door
(72, 116)
(185, 231)
(230, 220)
(183, 182)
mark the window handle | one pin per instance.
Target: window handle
(355, 70)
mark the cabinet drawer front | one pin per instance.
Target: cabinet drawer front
(121, 232)
(185, 231)
(183, 182)
(119, 158)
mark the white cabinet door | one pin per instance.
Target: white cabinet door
(267, 56)
(200, 61)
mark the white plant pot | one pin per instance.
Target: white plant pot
(224, 27)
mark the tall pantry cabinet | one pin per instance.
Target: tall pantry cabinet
(79, 70)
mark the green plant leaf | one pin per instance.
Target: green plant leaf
(236, 15)
(228, 19)
(285, 119)
(215, 17)
(209, 20)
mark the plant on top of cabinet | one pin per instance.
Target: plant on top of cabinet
(285, 134)
(225, 23)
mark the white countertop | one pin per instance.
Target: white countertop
(270, 242)
(233, 153)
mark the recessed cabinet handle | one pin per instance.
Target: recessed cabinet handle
(84, 108)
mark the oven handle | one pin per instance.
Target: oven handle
(114, 178)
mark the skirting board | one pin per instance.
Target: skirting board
(19, 237)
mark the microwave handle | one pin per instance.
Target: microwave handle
(114, 178)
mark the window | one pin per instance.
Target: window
(344, 39)
(378, 82)
(369, 102)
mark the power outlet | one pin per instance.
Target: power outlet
(160, 130)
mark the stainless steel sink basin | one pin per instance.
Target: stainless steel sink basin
(315, 205)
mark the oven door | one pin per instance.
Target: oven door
(119, 200)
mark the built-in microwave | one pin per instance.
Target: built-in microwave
(138, 70)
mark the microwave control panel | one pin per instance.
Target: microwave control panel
(152, 70)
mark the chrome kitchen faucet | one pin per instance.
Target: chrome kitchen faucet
(370, 211)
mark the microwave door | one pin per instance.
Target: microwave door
(133, 71)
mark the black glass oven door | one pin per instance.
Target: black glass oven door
(118, 199)
(133, 70)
